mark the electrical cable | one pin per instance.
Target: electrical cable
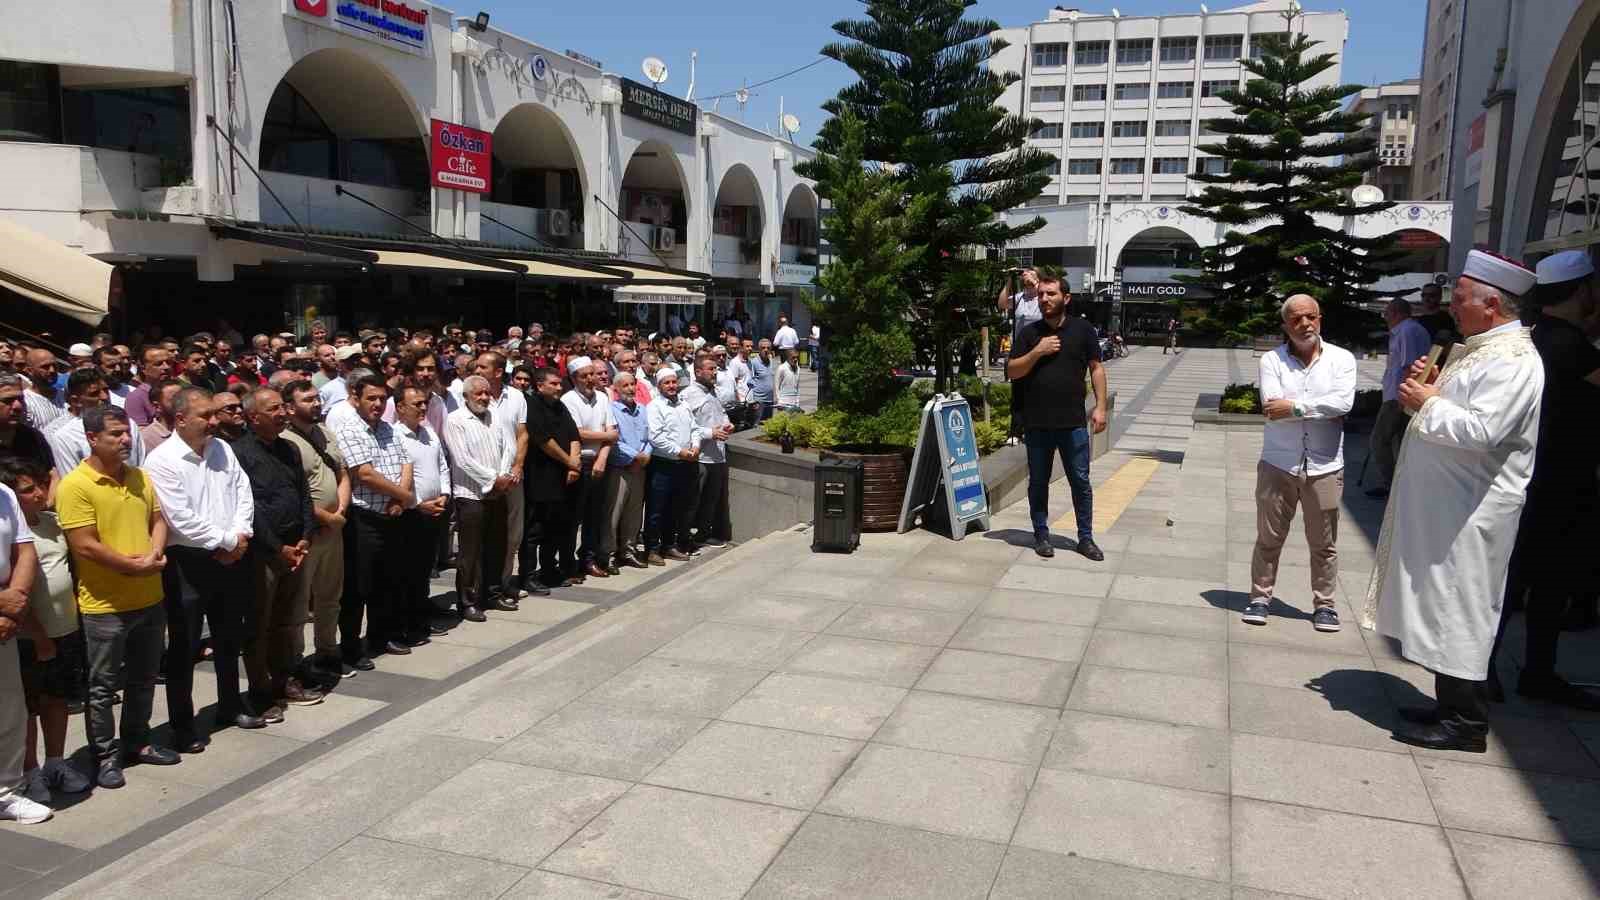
(818, 61)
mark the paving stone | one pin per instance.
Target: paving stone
(948, 567)
(764, 765)
(970, 727)
(550, 886)
(718, 644)
(1037, 875)
(1343, 779)
(1195, 593)
(1159, 618)
(1142, 825)
(1057, 581)
(1191, 568)
(1044, 640)
(200, 880)
(1286, 667)
(1533, 745)
(1316, 853)
(916, 593)
(1496, 867)
(1181, 699)
(609, 741)
(1140, 750)
(1158, 653)
(890, 623)
(676, 843)
(106, 816)
(1501, 801)
(774, 611)
(959, 795)
(673, 686)
(366, 867)
(1357, 715)
(1292, 632)
(834, 857)
(885, 662)
(495, 634)
(831, 706)
(999, 676)
(440, 662)
(1038, 606)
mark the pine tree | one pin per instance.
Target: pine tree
(929, 102)
(1280, 155)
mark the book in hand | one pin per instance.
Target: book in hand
(1435, 358)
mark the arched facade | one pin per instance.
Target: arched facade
(655, 200)
(1126, 222)
(540, 182)
(739, 223)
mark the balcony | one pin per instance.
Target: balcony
(55, 183)
(634, 248)
(729, 258)
(314, 203)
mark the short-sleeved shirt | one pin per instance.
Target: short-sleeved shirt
(1053, 392)
(1567, 452)
(1024, 312)
(379, 446)
(13, 530)
(322, 469)
(54, 599)
(120, 512)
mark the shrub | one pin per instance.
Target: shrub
(991, 435)
(860, 369)
(773, 428)
(1241, 398)
(1241, 405)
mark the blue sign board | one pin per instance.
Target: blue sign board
(959, 450)
(945, 465)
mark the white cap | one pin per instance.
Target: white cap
(578, 362)
(79, 350)
(664, 373)
(1568, 265)
(1498, 271)
(347, 351)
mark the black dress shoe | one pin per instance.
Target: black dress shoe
(251, 723)
(1420, 715)
(435, 629)
(396, 648)
(417, 640)
(612, 569)
(189, 745)
(1088, 549)
(501, 604)
(472, 614)
(110, 775)
(532, 585)
(1043, 547)
(630, 560)
(365, 664)
(593, 570)
(152, 756)
(1445, 735)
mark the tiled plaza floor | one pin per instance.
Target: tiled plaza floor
(926, 719)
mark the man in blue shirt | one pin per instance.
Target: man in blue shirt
(762, 367)
(1408, 342)
(626, 488)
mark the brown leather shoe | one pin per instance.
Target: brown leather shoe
(629, 560)
(675, 553)
(593, 570)
(296, 694)
(655, 559)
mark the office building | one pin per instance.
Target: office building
(1441, 57)
(1392, 123)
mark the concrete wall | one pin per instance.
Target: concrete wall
(148, 35)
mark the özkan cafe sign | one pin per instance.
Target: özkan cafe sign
(458, 157)
(393, 23)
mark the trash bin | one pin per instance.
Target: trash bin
(836, 526)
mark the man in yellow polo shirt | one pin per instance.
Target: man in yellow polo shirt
(118, 538)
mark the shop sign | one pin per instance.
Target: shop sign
(643, 102)
(1154, 290)
(458, 157)
(400, 24)
(794, 273)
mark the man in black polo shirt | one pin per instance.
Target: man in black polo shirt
(1048, 362)
(553, 466)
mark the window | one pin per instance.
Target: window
(1139, 91)
(736, 221)
(1178, 49)
(1088, 129)
(1211, 165)
(1172, 128)
(1088, 93)
(1224, 47)
(1167, 198)
(1054, 168)
(1082, 198)
(1215, 88)
(1393, 111)
(1129, 128)
(1022, 256)
(1047, 132)
(1405, 111)
(1083, 167)
(1091, 53)
(1258, 44)
(1053, 93)
(1170, 165)
(1049, 55)
(295, 139)
(1175, 89)
(30, 102)
(1135, 52)
(1127, 165)
(1208, 128)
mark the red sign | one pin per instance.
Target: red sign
(459, 157)
(312, 7)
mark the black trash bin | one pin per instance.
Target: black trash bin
(836, 526)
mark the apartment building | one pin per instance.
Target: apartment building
(1441, 57)
(1392, 123)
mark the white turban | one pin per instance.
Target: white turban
(664, 373)
(1497, 271)
(577, 363)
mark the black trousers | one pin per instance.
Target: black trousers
(711, 518)
(419, 536)
(592, 514)
(483, 542)
(201, 591)
(1464, 702)
(668, 501)
(556, 549)
(1550, 567)
(379, 583)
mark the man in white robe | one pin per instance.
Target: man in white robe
(1459, 488)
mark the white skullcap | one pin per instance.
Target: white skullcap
(719, 349)
(1568, 265)
(664, 373)
(578, 362)
(79, 350)
(1497, 271)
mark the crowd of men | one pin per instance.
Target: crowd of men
(172, 502)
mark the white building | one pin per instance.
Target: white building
(1391, 111)
(326, 121)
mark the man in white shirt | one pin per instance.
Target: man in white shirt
(69, 445)
(335, 393)
(420, 524)
(727, 379)
(15, 538)
(816, 344)
(712, 525)
(1307, 386)
(206, 501)
(508, 407)
(597, 430)
(480, 475)
(785, 338)
(420, 369)
(674, 451)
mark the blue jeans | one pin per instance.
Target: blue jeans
(1073, 445)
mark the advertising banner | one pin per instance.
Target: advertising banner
(397, 24)
(458, 157)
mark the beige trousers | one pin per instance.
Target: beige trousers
(1277, 495)
(321, 585)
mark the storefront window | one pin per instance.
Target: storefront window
(1567, 196)
(30, 102)
(297, 140)
(152, 120)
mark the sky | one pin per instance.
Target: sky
(749, 41)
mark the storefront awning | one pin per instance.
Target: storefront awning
(66, 280)
(638, 274)
(660, 294)
(407, 259)
(555, 271)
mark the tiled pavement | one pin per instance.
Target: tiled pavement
(926, 718)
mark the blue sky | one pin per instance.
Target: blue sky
(752, 40)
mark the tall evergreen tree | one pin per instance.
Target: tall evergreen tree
(929, 102)
(1291, 155)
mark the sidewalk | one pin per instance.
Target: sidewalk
(927, 718)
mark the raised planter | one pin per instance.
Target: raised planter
(1208, 416)
(884, 475)
(173, 201)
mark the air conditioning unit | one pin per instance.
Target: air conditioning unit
(558, 222)
(665, 238)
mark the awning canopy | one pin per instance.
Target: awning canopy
(66, 280)
(575, 270)
(638, 274)
(407, 259)
(660, 294)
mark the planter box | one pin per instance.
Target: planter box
(173, 201)
(1208, 416)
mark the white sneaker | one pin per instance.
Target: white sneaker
(64, 778)
(22, 810)
(35, 786)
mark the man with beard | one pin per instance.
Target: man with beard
(674, 449)
(328, 484)
(711, 522)
(164, 393)
(197, 368)
(69, 444)
(113, 367)
(597, 431)
(509, 410)
(419, 368)
(247, 370)
(554, 467)
(17, 437)
(480, 476)
(230, 425)
(44, 402)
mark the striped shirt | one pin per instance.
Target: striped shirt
(42, 410)
(430, 472)
(479, 454)
(379, 446)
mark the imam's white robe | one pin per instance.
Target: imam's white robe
(1458, 492)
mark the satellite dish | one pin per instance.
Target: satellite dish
(1367, 193)
(742, 95)
(791, 123)
(654, 69)
(1203, 9)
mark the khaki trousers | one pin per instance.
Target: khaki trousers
(276, 627)
(625, 509)
(516, 521)
(321, 588)
(1277, 495)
